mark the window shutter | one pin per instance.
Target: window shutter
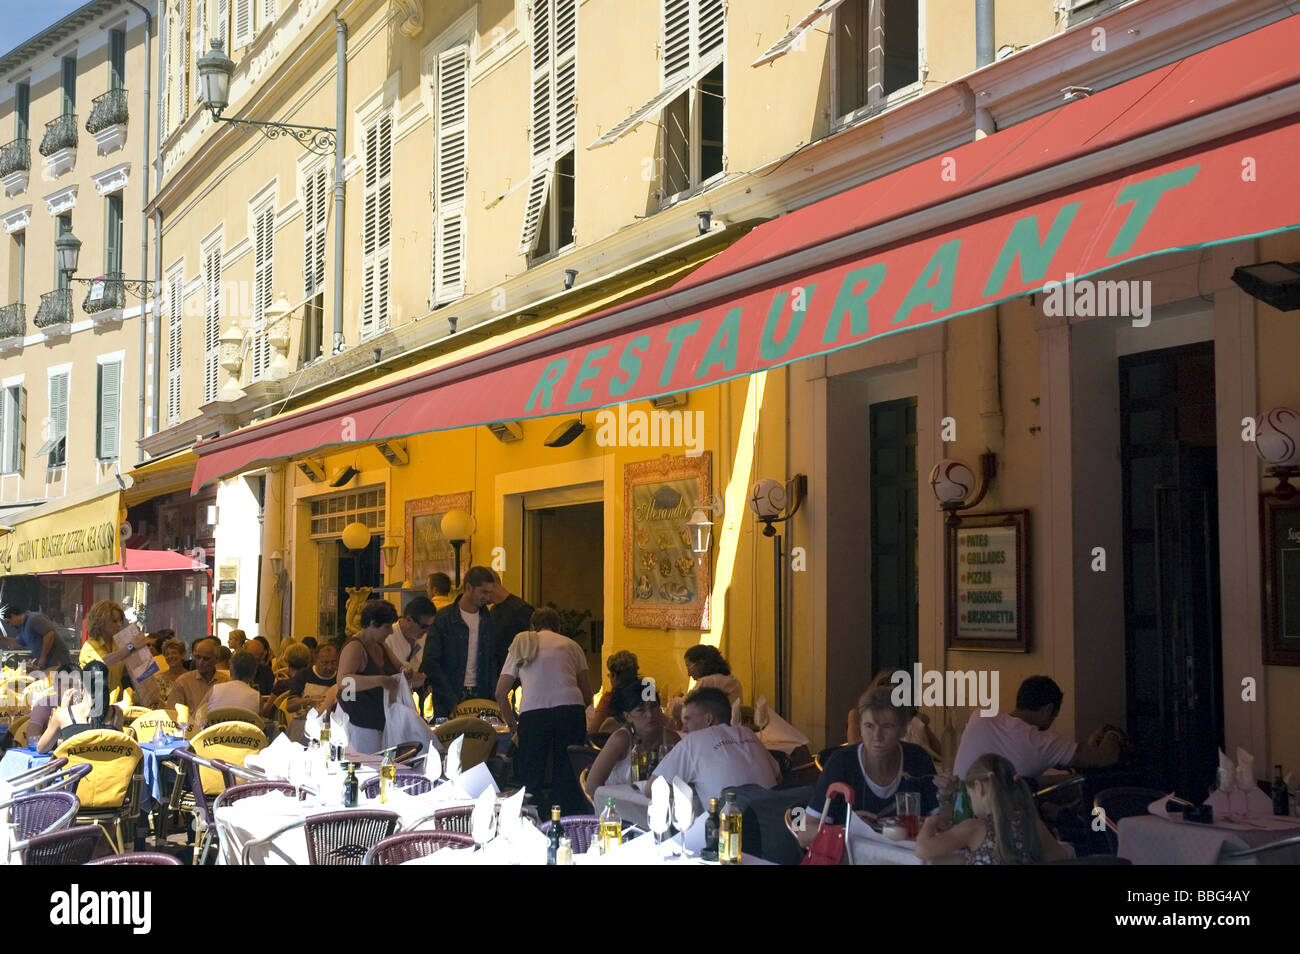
(376, 226)
(59, 419)
(268, 12)
(69, 84)
(6, 430)
(710, 20)
(677, 40)
(211, 322)
(22, 430)
(22, 108)
(110, 409)
(538, 190)
(315, 215)
(222, 27)
(449, 184)
(566, 79)
(541, 139)
(116, 59)
(175, 42)
(243, 23)
(113, 234)
(175, 300)
(263, 272)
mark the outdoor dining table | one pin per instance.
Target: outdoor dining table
(632, 804)
(1149, 840)
(18, 760)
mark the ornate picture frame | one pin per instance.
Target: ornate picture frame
(426, 549)
(1279, 541)
(665, 585)
(987, 594)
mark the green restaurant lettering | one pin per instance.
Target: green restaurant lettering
(846, 317)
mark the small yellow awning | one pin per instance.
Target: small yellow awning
(163, 475)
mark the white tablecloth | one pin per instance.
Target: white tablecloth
(1148, 840)
(632, 805)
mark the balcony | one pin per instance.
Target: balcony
(54, 316)
(106, 298)
(15, 162)
(107, 122)
(13, 326)
(59, 145)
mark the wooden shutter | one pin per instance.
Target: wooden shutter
(376, 226)
(22, 429)
(677, 40)
(221, 29)
(566, 75)
(110, 409)
(183, 66)
(211, 321)
(113, 234)
(263, 271)
(22, 109)
(116, 59)
(7, 441)
(243, 23)
(59, 418)
(710, 21)
(541, 139)
(451, 170)
(69, 84)
(268, 12)
(175, 301)
(315, 199)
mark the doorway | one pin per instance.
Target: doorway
(564, 564)
(895, 634)
(1171, 565)
(341, 568)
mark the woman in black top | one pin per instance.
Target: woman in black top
(84, 708)
(367, 670)
(877, 768)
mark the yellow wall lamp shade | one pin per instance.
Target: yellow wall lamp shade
(356, 536)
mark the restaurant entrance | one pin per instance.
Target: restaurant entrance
(564, 564)
(894, 583)
(1171, 564)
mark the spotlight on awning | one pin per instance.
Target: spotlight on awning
(344, 476)
(566, 433)
(1273, 283)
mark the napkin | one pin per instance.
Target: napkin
(1158, 808)
(660, 805)
(1245, 770)
(633, 851)
(683, 804)
(433, 765)
(480, 821)
(339, 726)
(275, 759)
(1226, 778)
(779, 734)
(311, 727)
(453, 758)
(762, 714)
(529, 845)
(508, 817)
(477, 780)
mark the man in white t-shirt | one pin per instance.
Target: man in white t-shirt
(237, 692)
(1025, 739)
(713, 754)
(460, 657)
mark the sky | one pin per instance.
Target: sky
(23, 19)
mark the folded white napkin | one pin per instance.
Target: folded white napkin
(477, 780)
(508, 816)
(1226, 778)
(447, 793)
(339, 726)
(433, 764)
(683, 804)
(661, 797)
(276, 758)
(528, 845)
(453, 758)
(779, 734)
(483, 816)
(311, 725)
(1158, 809)
(1245, 770)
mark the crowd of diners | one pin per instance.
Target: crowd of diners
(486, 643)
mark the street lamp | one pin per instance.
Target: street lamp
(457, 527)
(215, 70)
(67, 255)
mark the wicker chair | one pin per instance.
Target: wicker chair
(41, 813)
(406, 845)
(194, 801)
(1123, 802)
(35, 778)
(66, 778)
(456, 818)
(73, 846)
(413, 783)
(236, 793)
(110, 792)
(337, 838)
(138, 858)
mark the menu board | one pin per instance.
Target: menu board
(988, 582)
(987, 597)
(1280, 541)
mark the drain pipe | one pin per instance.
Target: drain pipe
(988, 351)
(157, 242)
(144, 216)
(340, 126)
(984, 124)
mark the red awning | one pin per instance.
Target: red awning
(143, 561)
(1154, 164)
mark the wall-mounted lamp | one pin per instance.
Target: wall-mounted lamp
(700, 526)
(1277, 441)
(774, 502)
(458, 526)
(277, 570)
(356, 536)
(570, 274)
(952, 482)
(706, 220)
(566, 433)
(1273, 283)
(451, 323)
(391, 552)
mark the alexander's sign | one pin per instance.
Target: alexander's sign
(78, 536)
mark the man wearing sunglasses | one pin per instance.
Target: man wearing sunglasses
(407, 640)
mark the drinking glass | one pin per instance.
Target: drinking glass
(907, 806)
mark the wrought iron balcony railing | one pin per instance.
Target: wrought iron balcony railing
(13, 321)
(55, 308)
(15, 156)
(60, 133)
(112, 294)
(107, 110)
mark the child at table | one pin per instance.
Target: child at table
(1005, 828)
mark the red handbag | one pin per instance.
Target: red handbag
(827, 847)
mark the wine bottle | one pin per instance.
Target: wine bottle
(556, 835)
(1281, 799)
(710, 852)
(350, 787)
(387, 775)
(729, 825)
(611, 827)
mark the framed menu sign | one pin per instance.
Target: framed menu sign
(1279, 538)
(665, 586)
(988, 591)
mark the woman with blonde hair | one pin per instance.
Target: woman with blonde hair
(555, 693)
(1005, 828)
(104, 621)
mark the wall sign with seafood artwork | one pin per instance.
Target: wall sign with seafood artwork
(665, 585)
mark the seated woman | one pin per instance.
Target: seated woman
(173, 653)
(623, 669)
(706, 665)
(637, 706)
(1005, 828)
(84, 708)
(877, 768)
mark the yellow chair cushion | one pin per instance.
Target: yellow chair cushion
(480, 739)
(113, 757)
(478, 708)
(146, 725)
(229, 741)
